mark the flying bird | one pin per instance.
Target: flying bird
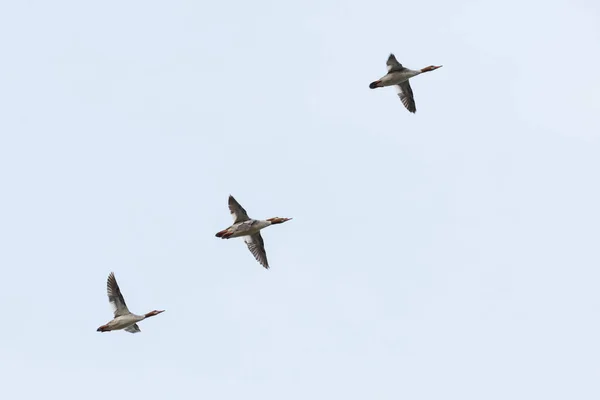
(398, 76)
(124, 319)
(250, 229)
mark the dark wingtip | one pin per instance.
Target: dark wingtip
(373, 85)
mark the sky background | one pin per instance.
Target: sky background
(450, 254)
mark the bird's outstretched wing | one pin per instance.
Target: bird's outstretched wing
(256, 245)
(237, 211)
(406, 96)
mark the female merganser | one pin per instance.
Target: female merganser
(399, 76)
(123, 318)
(249, 229)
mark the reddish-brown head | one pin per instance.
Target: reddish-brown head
(431, 68)
(277, 220)
(153, 313)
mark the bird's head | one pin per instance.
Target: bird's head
(431, 68)
(153, 313)
(277, 220)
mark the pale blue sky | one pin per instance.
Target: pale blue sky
(450, 254)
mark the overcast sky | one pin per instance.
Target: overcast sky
(449, 254)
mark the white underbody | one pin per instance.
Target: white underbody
(396, 78)
(247, 228)
(124, 321)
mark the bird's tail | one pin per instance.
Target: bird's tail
(224, 234)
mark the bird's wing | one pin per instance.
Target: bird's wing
(256, 245)
(115, 297)
(406, 96)
(393, 65)
(133, 328)
(237, 211)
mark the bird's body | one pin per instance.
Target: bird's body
(246, 228)
(399, 76)
(250, 229)
(123, 322)
(123, 319)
